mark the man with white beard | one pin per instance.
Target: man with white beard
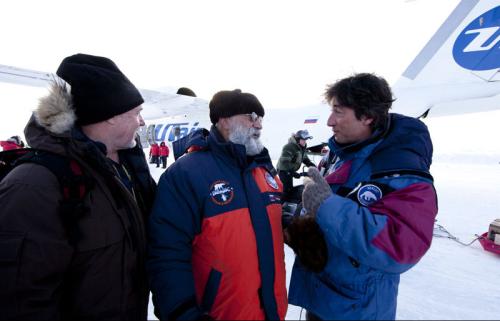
(249, 137)
(216, 245)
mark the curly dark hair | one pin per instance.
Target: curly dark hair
(367, 94)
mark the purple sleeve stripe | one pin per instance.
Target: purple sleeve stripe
(410, 220)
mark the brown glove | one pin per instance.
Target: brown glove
(306, 239)
(316, 190)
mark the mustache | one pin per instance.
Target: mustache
(254, 133)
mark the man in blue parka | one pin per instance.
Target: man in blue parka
(371, 207)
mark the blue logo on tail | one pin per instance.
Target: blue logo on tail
(478, 45)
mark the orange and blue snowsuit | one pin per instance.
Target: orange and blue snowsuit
(216, 243)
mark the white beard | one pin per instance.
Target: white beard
(248, 137)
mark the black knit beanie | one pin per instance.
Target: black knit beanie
(229, 103)
(99, 89)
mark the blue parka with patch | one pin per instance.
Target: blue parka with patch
(216, 244)
(377, 224)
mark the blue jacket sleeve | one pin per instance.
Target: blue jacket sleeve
(391, 234)
(174, 222)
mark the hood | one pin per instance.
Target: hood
(53, 120)
(292, 140)
(407, 140)
(197, 139)
(55, 111)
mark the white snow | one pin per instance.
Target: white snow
(452, 281)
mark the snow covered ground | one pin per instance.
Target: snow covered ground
(452, 281)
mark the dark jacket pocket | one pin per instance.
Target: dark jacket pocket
(211, 290)
(10, 252)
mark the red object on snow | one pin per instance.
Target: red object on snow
(489, 245)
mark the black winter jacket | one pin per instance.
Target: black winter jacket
(101, 276)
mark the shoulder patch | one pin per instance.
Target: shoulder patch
(221, 192)
(271, 181)
(369, 194)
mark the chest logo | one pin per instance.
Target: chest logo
(221, 192)
(271, 181)
(369, 194)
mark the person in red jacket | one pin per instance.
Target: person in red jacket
(154, 154)
(13, 142)
(164, 152)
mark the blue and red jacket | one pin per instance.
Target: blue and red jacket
(377, 225)
(216, 243)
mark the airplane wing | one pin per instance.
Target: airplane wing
(162, 104)
(458, 71)
(157, 104)
(22, 76)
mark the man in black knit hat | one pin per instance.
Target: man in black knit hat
(86, 263)
(220, 205)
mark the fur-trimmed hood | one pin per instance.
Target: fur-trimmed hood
(55, 111)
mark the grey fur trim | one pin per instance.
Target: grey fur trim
(55, 111)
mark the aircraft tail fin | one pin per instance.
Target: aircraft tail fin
(461, 62)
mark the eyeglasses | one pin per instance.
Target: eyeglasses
(254, 118)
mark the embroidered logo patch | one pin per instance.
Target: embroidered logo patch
(271, 181)
(221, 192)
(369, 194)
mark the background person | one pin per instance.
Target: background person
(14, 142)
(154, 154)
(292, 157)
(164, 152)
